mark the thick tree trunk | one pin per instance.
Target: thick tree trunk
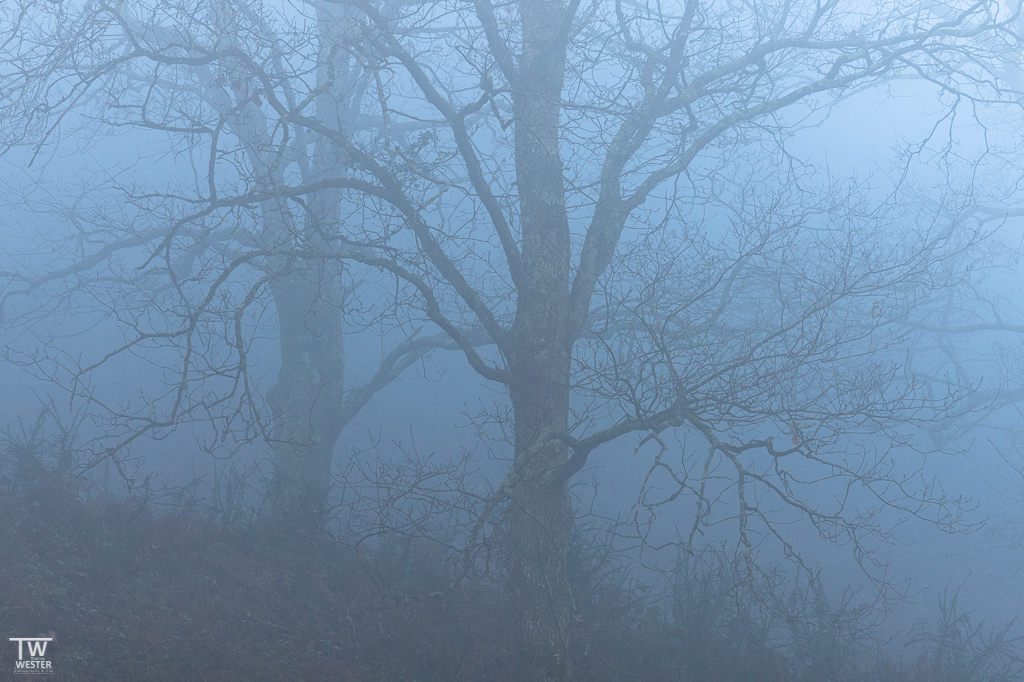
(541, 519)
(306, 401)
(541, 515)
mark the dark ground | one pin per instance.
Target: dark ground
(133, 593)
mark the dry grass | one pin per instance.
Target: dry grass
(137, 595)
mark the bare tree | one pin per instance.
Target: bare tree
(212, 249)
(603, 192)
(612, 125)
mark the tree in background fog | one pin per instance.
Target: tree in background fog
(601, 192)
(210, 249)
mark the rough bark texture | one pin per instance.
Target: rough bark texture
(539, 366)
(308, 394)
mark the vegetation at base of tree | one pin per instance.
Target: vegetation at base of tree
(158, 587)
(610, 211)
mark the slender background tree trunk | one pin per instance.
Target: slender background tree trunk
(308, 399)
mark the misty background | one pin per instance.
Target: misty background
(893, 161)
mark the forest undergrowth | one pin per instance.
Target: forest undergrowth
(133, 589)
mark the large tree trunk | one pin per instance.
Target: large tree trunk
(541, 519)
(541, 515)
(306, 401)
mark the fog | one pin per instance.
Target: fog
(532, 341)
